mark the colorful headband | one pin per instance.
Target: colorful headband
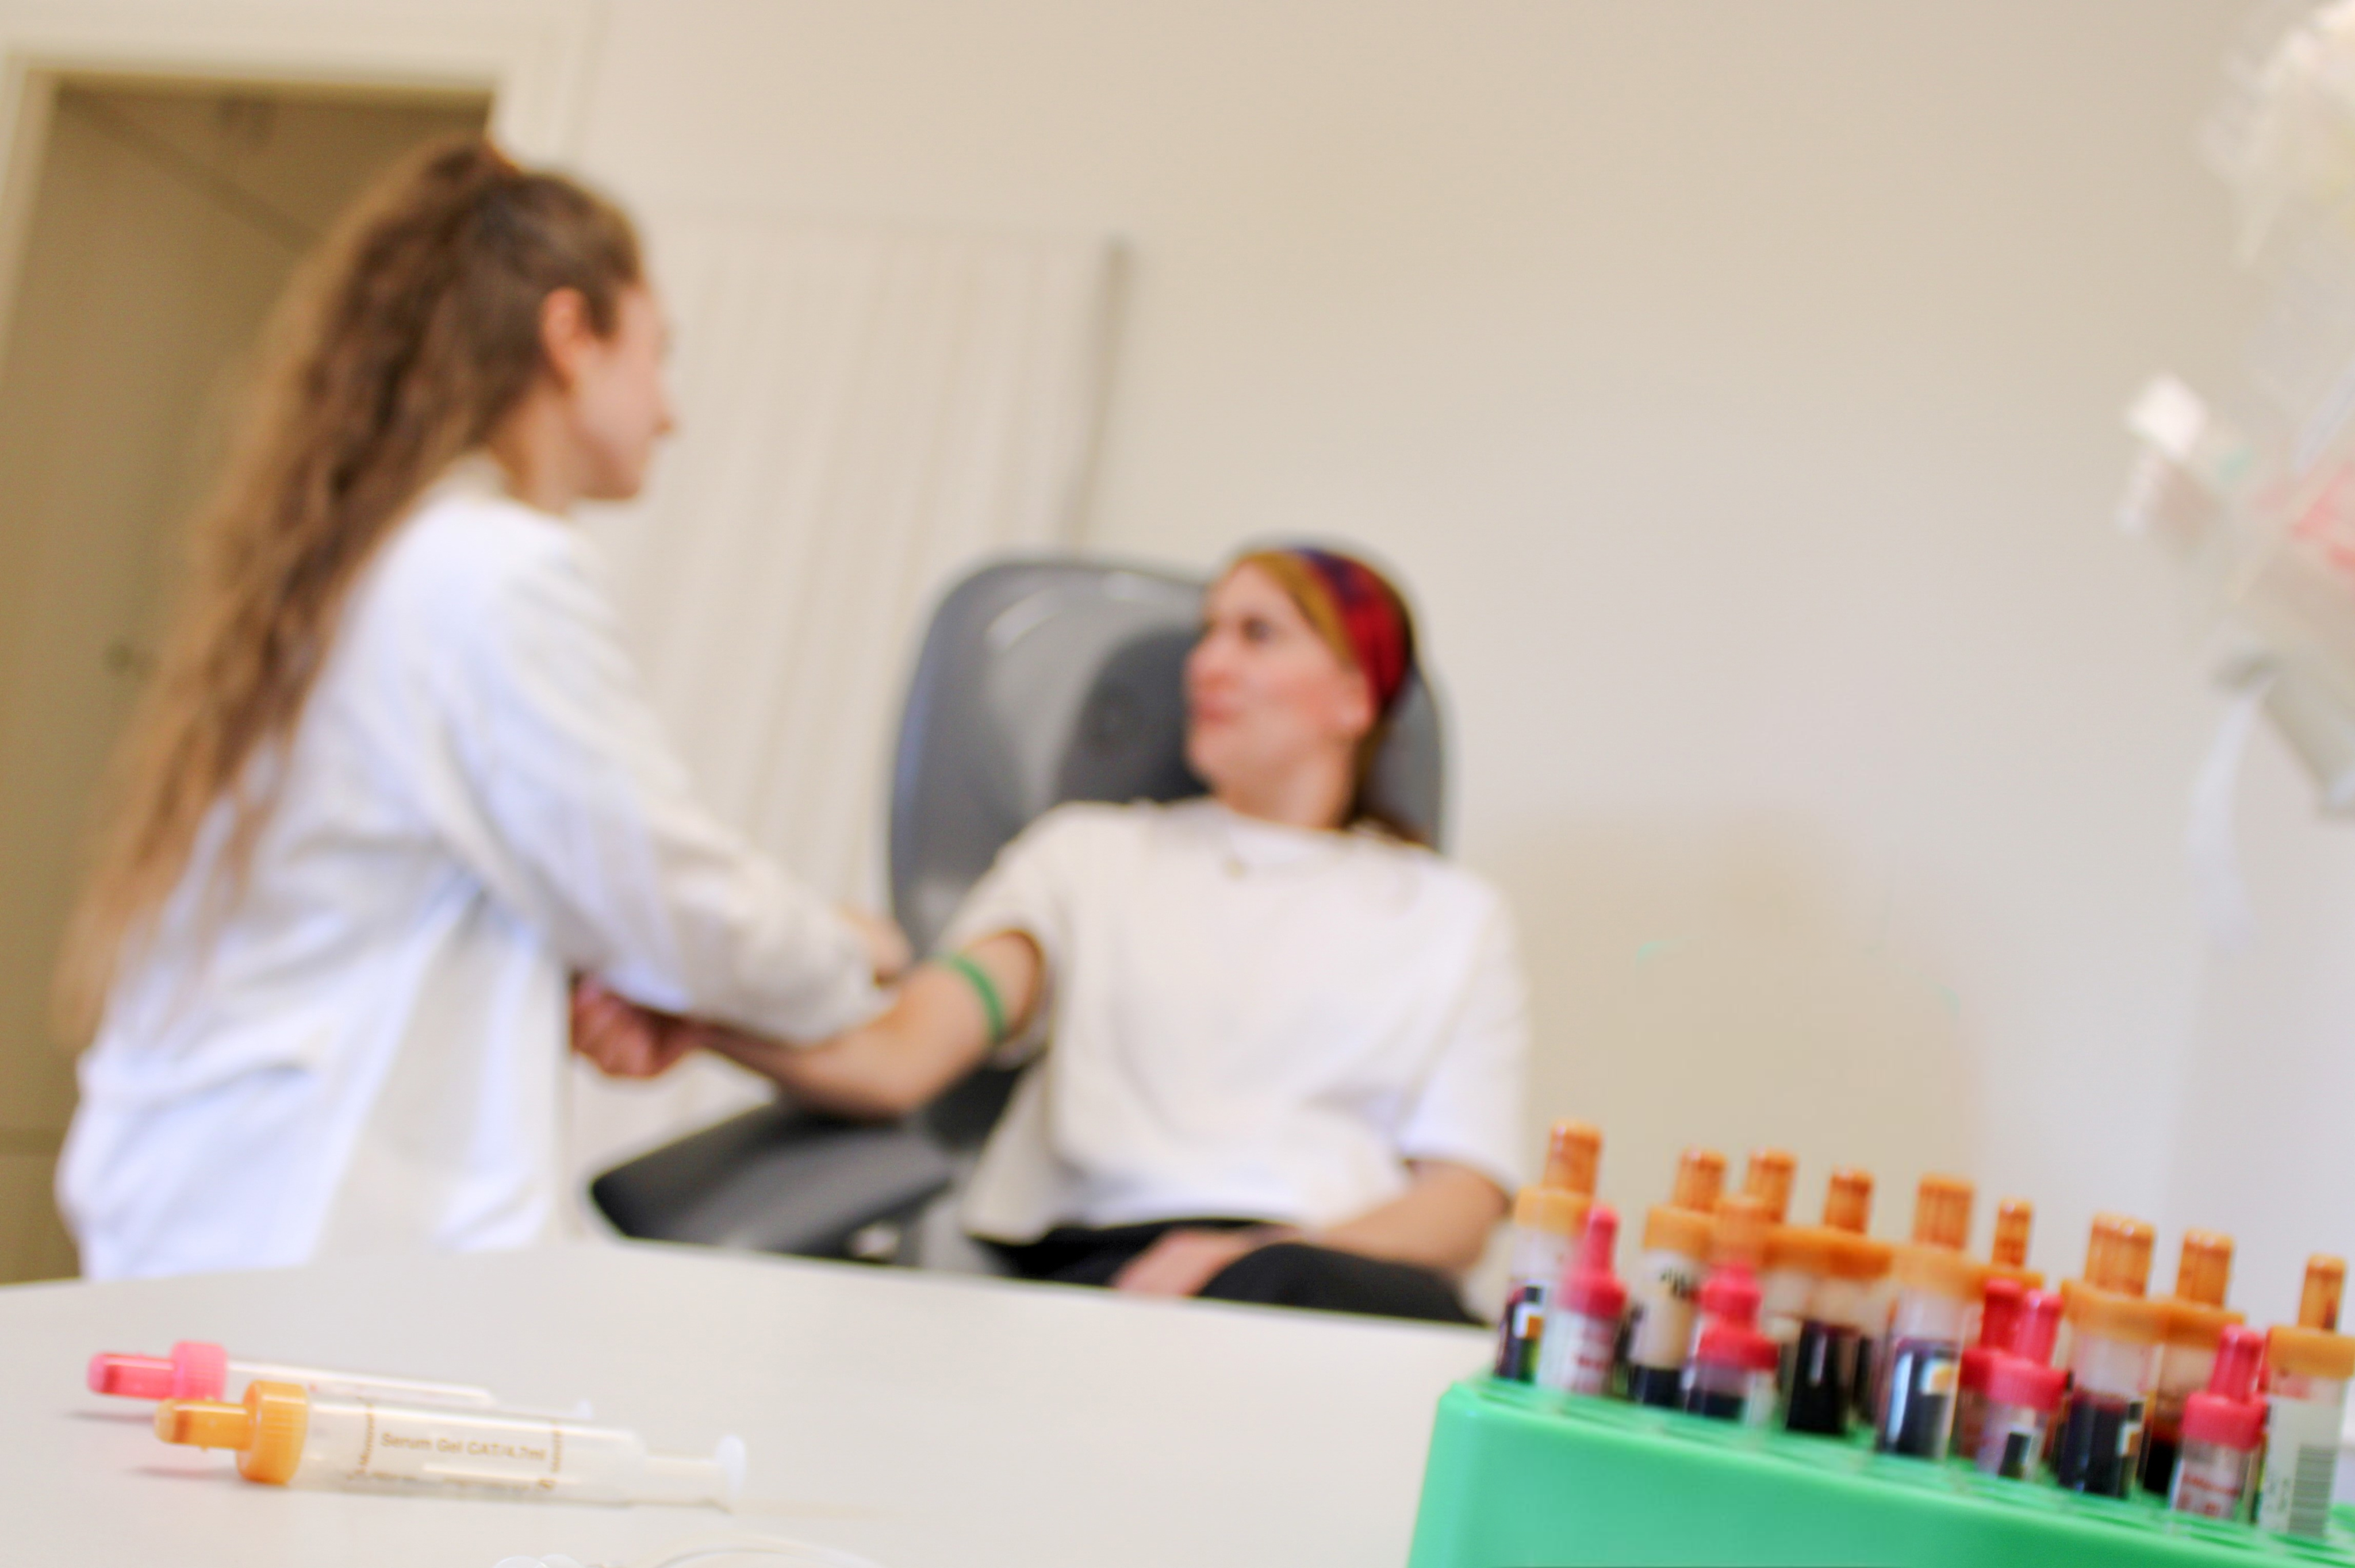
(1370, 617)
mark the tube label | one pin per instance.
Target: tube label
(2301, 1463)
(1578, 1355)
(1521, 1333)
(1919, 1417)
(2213, 1485)
(1659, 1325)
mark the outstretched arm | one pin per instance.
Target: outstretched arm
(937, 1030)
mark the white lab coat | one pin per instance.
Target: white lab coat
(369, 1049)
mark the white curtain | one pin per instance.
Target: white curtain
(864, 413)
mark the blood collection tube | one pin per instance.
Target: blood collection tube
(1782, 1292)
(2223, 1428)
(1788, 1278)
(1731, 1376)
(1583, 1317)
(1546, 1219)
(1937, 1288)
(1942, 1221)
(1859, 1302)
(2024, 1392)
(1829, 1354)
(2196, 1320)
(1998, 1324)
(1546, 1222)
(2114, 1342)
(2307, 1367)
(287, 1436)
(1667, 1279)
(198, 1369)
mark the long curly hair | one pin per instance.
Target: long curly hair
(402, 343)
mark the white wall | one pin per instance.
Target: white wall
(1737, 385)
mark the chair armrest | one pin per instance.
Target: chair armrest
(776, 1178)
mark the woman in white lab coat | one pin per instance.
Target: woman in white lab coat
(396, 782)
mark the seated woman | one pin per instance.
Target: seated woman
(1279, 1047)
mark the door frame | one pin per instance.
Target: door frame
(532, 58)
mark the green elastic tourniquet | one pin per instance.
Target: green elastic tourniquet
(984, 988)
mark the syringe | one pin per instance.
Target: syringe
(198, 1370)
(284, 1435)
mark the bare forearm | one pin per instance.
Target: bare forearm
(1440, 1222)
(935, 1031)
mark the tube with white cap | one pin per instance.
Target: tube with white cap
(285, 1435)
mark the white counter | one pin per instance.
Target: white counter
(915, 1419)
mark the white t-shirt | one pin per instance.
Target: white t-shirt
(1247, 1020)
(370, 1051)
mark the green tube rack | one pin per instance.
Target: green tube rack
(1521, 1478)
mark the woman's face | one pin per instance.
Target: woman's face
(1266, 695)
(619, 397)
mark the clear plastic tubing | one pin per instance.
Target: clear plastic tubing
(2196, 1320)
(2024, 1392)
(1937, 1290)
(2308, 1366)
(198, 1370)
(285, 1435)
(1583, 1317)
(2115, 1336)
(2224, 1426)
(1667, 1280)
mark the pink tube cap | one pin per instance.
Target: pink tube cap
(195, 1371)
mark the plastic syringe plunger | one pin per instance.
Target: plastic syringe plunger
(1942, 1211)
(1573, 1155)
(1768, 1179)
(285, 1435)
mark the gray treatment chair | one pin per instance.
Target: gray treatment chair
(1041, 681)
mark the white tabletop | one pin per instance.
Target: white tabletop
(914, 1419)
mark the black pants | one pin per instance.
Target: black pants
(1284, 1274)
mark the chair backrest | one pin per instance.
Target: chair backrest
(1044, 680)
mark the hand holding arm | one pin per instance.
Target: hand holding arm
(625, 1040)
(936, 1030)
